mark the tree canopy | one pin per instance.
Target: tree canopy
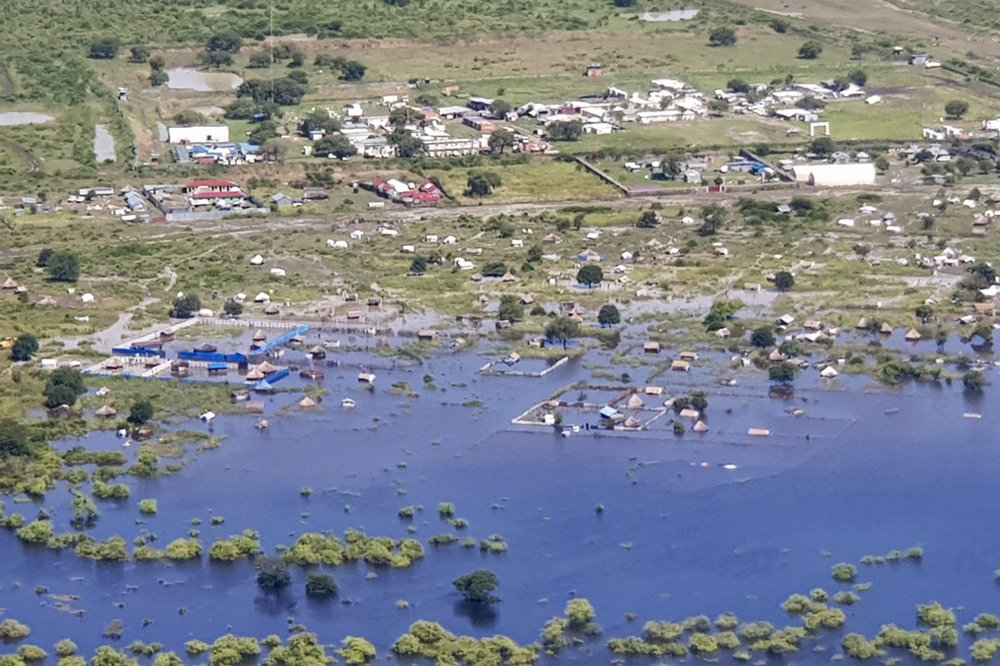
(335, 145)
(810, 50)
(185, 306)
(590, 275)
(478, 586)
(784, 280)
(141, 412)
(722, 36)
(956, 108)
(482, 183)
(762, 337)
(562, 329)
(24, 347)
(63, 267)
(13, 438)
(608, 315)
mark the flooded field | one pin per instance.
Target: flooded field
(699, 524)
(104, 144)
(187, 78)
(15, 118)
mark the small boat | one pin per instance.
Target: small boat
(348, 403)
(263, 424)
(206, 348)
(208, 417)
(127, 443)
(311, 373)
(729, 466)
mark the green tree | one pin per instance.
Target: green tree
(810, 50)
(225, 42)
(63, 267)
(738, 86)
(608, 315)
(336, 145)
(13, 438)
(105, 48)
(784, 280)
(822, 146)
(648, 220)
(510, 309)
(318, 120)
(352, 70)
(44, 256)
(956, 108)
(565, 130)
(501, 140)
(185, 306)
(722, 36)
(63, 387)
(782, 373)
(232, 308)
(260, 60)
(923, 312)
(321, 585)
(882, 163)
(138, 54)
(418, 266)
(858, 77)
(141, 412)
(562, 329)
(407, 145)
(478, 586)
(482, 183)
(762, 337)
(272, 574)
(590, 275)
(263, 132)
(494, 269)
(24, 347)
(357, 651)
(715, 217)
(500, 108)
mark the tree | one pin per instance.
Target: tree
(762, 337)
(335, 145)
(562, 329)
(478, 586)
(500, 108)
(882, 163)
(225, 42)
(565, 130)
(608, 315)
(407, 145)
(352, 70)
(158, 77)
(715, 216)
(318, 121)
(24, 347)
(185, 306)
(822, 146)
(482, 183)
(722, 36)
(923, 312)
(648, 220)
(232, 308)
(624, 4)
(782, 373)
(43, 257)
(418, 266)
(283, 92)
(858, 77)
(810, 50)
(321, 585)
(495, 269)
(404, 115)
(738, 85)
(501, 140)
(105, 48)
(357, 651)
(263, 132)
(13, 438)
(784, 280)
(138, 54)
(510, 309)
(63, 267)
(141, 412)
(956, 108)
(260, 60)
(272, 574)
(973, 381)
(590, 275)
(63, 387)
(779, 25)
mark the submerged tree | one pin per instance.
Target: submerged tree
(478, 586)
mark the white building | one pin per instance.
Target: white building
(834, 175)
(214, 134)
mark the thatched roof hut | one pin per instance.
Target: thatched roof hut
(254, 408)
(318, 352)
(885, 328)
(267, 368)
(912, 335)
(259, 336)
(9, 284)
(700, 426)
(271, 309)
(307, 402)
(106, 412)
(635, 402)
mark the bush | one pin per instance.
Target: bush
(24, 347)
(845, 573)
(13, 438)
(810, 50)
(141, 412)
(321, 585)
(478, 586)
(722, 36)
(272, 574)
(956, 108)
(63, 267)
(105, 48)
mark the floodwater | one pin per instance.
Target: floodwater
(865, 470)
(15, 118)
(104, 144)
(188, 78)
(671, 16)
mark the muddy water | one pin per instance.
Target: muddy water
(187, 78)
(104, 144)
(15, 118)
